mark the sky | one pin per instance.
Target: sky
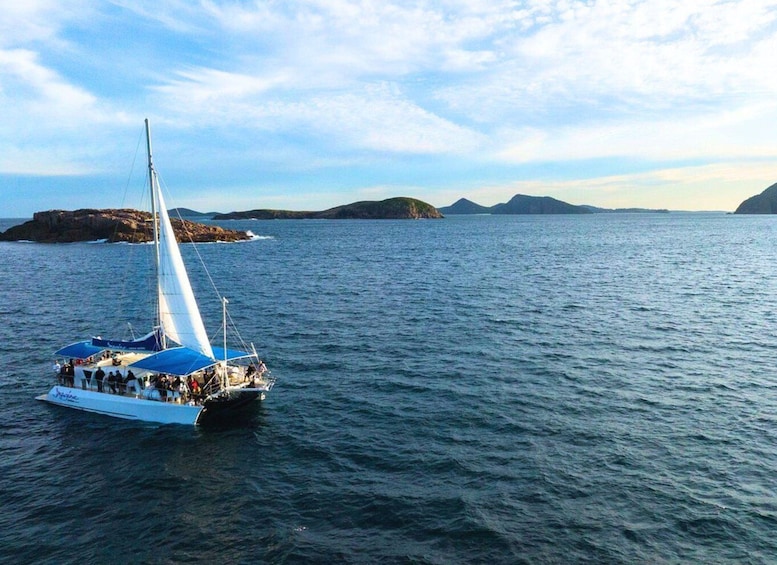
(305, 105)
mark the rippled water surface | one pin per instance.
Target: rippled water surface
(478, 389)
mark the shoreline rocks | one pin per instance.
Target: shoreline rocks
(112, 225)
(763, 203)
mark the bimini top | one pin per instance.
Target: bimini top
(149, 342)
(80, 350)
(182, 361)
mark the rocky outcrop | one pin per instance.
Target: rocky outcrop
(518, 204)
(123, 225)
(391, 209)
(400, 208)
(522, 204)
(764, 203)
(464, 206)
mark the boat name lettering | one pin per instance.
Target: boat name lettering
(65, 395)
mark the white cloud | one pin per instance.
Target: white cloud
(202, 87)
(50, 126)
(25, 81)
(180, 16)
(39, 20)
(723, 135)
(343, 40)
(377, 117)
(616, 58)
(381, 119)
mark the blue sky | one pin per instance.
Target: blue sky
(305, 105)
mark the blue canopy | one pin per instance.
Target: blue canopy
(149, 342)
(80, 350)
(182, 361)
(218, 353)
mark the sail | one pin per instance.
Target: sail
(178, 311)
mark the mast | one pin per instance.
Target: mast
(154, 220)
(224, 321)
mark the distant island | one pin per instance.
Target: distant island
(121, 225)
(399, 208)
(189, 213)
(764, 203)
(523, 204)
(597, 210)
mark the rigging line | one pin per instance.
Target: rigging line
(233, 326)
(132, 168)
(145, 230)
(122, 312)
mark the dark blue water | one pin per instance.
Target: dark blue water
(560, 389)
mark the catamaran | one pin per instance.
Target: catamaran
(172, 375)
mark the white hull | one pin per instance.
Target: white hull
(120, 406)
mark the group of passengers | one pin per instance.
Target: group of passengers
(255, 371)
(65, 373)
(175, 389)
(167, 386)
(164, 383)
(113, 383)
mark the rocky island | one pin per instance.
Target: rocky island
(523, 204)
(399, 208)
(764, 203)
(518, 204)
(121, 225)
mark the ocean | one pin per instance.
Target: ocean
(478, 389)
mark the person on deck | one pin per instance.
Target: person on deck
(194, 386)
(70, 373)
(131, 383)
(99, 375)
(111, 382)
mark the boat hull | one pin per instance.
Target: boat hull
(237, 400)
(120, 406)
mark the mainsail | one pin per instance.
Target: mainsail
(179, 315)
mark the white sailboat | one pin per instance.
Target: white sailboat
(173, 375)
